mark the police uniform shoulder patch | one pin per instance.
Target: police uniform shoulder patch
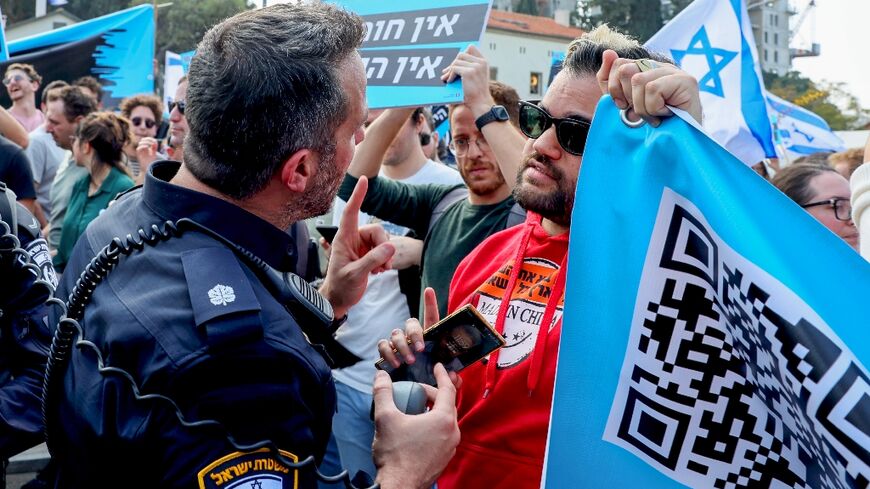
(259, 469)
(39, 253)
(217, 284)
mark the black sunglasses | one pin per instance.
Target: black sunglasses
(149, 123)
(180, 104)
(571, 133)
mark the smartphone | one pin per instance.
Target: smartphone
(457, 341)
(328, 232)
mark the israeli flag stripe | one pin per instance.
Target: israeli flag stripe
(793, 111)
(754, 108)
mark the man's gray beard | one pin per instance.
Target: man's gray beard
(318, 200)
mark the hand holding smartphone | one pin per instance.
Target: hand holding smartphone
(457, 341)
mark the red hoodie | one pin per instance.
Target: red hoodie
(504, 405)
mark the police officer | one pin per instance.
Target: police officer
(24, 260)
(189, 366)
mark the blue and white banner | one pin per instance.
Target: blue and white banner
(4, 53)
(174, 68)
(117, 49)
(702, 345)
(713, 41)
(409, 42)
(799, 131)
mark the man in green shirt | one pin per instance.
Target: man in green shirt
(487, 146)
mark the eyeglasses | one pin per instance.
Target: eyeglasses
(842, 207)
(571, 133)
(15, 78)
(149, 123)
(460, 146)
(180, 104)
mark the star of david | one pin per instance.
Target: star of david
(717, 60)
(256, 485)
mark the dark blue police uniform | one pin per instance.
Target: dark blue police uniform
(187, 319)
(23, 326)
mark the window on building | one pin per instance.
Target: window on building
(765, 37)
(522, 50)
(776, 20)
(535, 80)
(765, 55)
(776, 38)
(775, 56)
(493, 73)
(492, 46)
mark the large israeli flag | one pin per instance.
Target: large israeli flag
(715, 334)
(799, 131)
(712, 40)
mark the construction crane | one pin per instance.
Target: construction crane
(815, 48)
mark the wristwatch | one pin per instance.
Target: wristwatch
(496, 113)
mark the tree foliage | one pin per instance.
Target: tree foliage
(529, 7)
(180, 26)
(831, 101)
(638, 18)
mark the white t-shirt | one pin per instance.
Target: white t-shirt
(383, 307)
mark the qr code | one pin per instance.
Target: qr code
(730, 379)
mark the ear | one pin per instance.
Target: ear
(86, 148)
(420, 123)
(299, 169)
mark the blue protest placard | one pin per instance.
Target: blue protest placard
(703, 342)
(409, 43)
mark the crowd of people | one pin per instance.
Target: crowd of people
(269, 131)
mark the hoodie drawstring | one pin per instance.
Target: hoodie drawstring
(489, 376)
(538, 353)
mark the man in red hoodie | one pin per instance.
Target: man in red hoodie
(504, 404)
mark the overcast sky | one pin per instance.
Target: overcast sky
(842, 27)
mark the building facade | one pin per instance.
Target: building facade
(520, 49)
(770, 25)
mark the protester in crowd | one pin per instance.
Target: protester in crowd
(145, 112)
(45, 157)
(860, 185)
(92, 88)
(818, 158)
(197, 318)
(429, 137)
(390, 297)
(846, 162)
(98, 147)
(504, 404)
(824, 193)
(15, 172)
(22, 82)
(177, 122)
(62, 118)
(484, 136)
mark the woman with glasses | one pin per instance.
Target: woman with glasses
(145, 113)
(824, 193)
(98, 146)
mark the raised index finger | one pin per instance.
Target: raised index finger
(350, 217)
